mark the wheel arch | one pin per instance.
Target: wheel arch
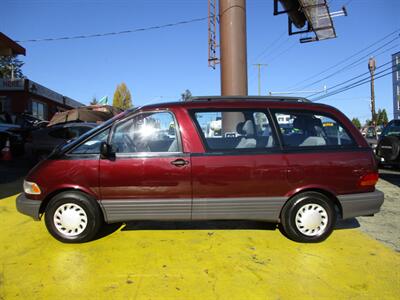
(54, 193)
(329, 194)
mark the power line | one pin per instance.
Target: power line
(95, 35)
(276, 56)
(343, 60)
(349, 65)
(283, 52)
(269, 47)
(356, 77)
(352, 86)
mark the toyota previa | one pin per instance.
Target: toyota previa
(289, 161)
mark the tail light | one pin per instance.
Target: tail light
(369, 179)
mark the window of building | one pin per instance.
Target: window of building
(247, 129)
(308, 129)
(4, 105)
(39, 110)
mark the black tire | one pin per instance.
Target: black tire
(308, 217)
(389, 148)
(78, 215)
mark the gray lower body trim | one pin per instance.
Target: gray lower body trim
(28, 207)
(246, 208)
(146, 209)
(252, 208)
(355, 205)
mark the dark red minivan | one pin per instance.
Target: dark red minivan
(283, 160)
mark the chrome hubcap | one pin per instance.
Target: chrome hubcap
(70, 219)
(311, 219)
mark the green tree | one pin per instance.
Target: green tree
(94, 101)
(122, 97)
(356, 122)
(186, 95)
(9, 65)
(381, 118)
(368, 122)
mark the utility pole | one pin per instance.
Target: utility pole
(233, 55)
(372, 67)
(259, 76)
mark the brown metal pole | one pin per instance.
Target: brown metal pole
(233, 55)
(233, 49)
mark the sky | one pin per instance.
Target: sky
(158, 65)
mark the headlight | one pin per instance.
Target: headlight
(31, 188)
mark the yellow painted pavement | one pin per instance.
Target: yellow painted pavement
(191, 264)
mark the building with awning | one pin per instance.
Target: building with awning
(22, 95)
(26, 96)
(10, 48)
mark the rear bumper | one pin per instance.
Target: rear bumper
(355, 205)
(28, 207)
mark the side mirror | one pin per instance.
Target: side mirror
(106, 151)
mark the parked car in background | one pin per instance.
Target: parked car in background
(371, 136)
(16, 142)
(44, 140)
(11, 132)
(159, 162)
(17, 129)
(388, 149)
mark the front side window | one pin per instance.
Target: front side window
(146, 132)
(92, 145)
(309, 129)
(234, 130)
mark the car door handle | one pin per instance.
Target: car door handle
(179, 162)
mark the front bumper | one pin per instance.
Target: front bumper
(363, 204)
(28, 207)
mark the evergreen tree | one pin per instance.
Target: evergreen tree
(8, 64)
(186, 95)
(385, 119)
(382, 118)
(356, 122)
(122, 97)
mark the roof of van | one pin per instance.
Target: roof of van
(207, 100)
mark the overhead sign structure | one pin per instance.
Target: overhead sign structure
(309, 16)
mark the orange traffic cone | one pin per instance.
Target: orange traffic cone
(6, 151)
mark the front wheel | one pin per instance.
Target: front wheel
(73, 217)
(308, 217)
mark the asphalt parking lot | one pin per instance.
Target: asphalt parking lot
(200, 260)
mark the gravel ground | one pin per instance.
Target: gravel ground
(385, 225)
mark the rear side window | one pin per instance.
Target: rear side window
(310, 129)
(234, 130)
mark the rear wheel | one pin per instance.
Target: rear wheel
(308, 217)
(73, 217)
